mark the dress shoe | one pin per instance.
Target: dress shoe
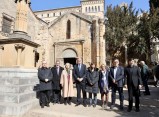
(69, 103)
(121, 108)
(89, 105)
(58, 103)
(65, 103)
(129, 110)
(42, 106)
(77, 104)
(94, 105)
(137, 110)
(85, 105)
(48, 105)
(146, 93)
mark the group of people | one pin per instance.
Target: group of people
(58, 80)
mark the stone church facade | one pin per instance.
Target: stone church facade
(56, 34)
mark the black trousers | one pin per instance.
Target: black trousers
(56, 96)
(45, 97)
(121, 95)
(132, 91)
(146, 86)
(81, 87)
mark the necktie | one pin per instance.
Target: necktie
(79, 67)
(57, 70)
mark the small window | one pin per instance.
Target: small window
(68, 30)
(47, 15)
(60, 13)
(95, 8)
(98, 8)
(89, 9)
(41, 15)
(92, 9)
(86, 9)
(54, 14)
(6, 25)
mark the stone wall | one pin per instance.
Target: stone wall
(80, 29)
(16, 91)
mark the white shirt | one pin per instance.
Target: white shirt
(115, 71)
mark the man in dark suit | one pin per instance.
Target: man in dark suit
(79, 74)
(133, 80)
(145, 76)
(56, 71)
(45, 77)
(117, 77)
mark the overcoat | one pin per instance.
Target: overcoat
(56, 78)
(67, 84)
(92, 78)
(45, 73)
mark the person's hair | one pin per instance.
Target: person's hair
(130, 59)
(115, 59)
(57, 61)
(44, 61)
(142, 62)
(68, 64)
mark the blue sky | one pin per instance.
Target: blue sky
(51, 4)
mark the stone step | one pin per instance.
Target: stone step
(17, 98)
(17, 88)
(16, 110)
(17, 72)
(16, 81)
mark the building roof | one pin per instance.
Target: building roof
(90, 0)
(57, 9)
(77, 14)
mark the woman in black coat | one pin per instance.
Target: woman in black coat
(92, 84)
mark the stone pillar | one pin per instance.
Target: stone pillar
(1, 20)
(54, 53)
(22, 15)
(1, 55)
(102, 54)
(82, 43)
(19, 48)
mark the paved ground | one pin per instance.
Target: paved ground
(149, 108)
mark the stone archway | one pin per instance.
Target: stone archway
(69, 56)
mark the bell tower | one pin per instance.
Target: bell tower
(93, 7)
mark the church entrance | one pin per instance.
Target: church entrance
(70, 60)
(69, 56)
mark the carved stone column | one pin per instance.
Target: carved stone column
(82, 44)
(101, 42)
(19, 48)
(22, 15)
(1, 55)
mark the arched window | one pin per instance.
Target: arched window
(95, 8)
(92, 9)
(86, 9)
(47, 15)
(54, 14)
(89, 9)
(98, 8)
(68, 30)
